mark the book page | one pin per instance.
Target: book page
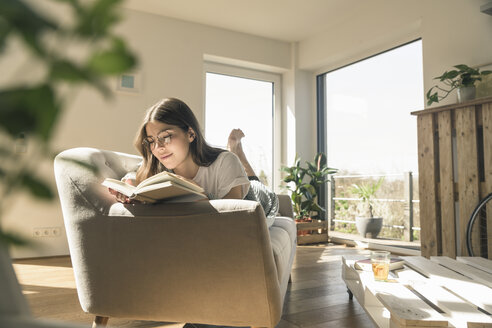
(167, 176)
(164, 190)
(119, 186)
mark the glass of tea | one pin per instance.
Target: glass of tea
(380, 261)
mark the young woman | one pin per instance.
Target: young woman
(170, 139)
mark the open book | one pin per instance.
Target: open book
(164, 185)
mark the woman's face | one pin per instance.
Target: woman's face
(170, 144)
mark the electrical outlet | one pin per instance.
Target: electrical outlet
(47, 232)
(55, 231)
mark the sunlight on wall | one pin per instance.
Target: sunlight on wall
(291, 136)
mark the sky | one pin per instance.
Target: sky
(369, 126)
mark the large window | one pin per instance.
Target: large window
(369, 128)
(367, 131)
(245, 99)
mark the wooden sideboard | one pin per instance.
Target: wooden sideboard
(455, 173)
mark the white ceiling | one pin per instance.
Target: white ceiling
(286, 20)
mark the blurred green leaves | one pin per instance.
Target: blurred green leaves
(29, 111)
(68, 71)
(304, 183)
(96, 19)
(37, 187)
(113, 60)
(16, 17)
(12, 239)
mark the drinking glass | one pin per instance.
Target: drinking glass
(380, 261)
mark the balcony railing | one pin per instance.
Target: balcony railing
(407, 222)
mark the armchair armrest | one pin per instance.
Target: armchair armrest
(285, 206)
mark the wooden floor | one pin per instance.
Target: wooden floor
(316, 298)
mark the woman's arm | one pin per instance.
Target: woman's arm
(234, 193)
(119, 196)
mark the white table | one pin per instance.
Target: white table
(426, 293)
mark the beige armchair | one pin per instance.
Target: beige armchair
(213, 262)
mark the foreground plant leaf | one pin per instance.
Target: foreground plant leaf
(31, 110)
(8, 238)
(37, 187)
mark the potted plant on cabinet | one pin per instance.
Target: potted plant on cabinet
(463, 78)
(304, 183)
(368, 223)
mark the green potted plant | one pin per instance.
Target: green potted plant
(368, 223)
(463, 78)
(304, 183)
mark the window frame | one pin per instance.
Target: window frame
(276, 80)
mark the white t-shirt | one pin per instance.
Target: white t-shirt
(225, 173)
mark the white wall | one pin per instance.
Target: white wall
(171, 56)
(454, 33)
(298, 117)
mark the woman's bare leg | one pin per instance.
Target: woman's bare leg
(234, 145)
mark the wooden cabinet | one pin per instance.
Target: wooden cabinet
(455, 173)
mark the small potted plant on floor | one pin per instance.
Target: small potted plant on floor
(463, 78)
(304, 183)
(368, 223)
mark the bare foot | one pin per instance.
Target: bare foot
(235, 146)
(234, 142)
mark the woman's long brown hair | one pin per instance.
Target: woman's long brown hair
(175, 112)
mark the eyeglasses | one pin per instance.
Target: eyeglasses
(163, 139)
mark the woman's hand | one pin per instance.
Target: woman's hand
(123, 198)
(119, 196)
